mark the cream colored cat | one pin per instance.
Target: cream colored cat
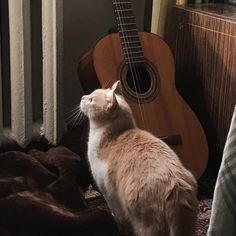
(144, 183)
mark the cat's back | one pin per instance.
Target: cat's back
(138, 150)
(138, 156)
(137, 145)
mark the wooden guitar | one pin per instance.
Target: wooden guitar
(145, 65)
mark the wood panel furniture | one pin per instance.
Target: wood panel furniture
(203, 40)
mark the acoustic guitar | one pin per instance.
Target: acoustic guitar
(144, 64)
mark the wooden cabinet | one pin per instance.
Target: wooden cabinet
(203, 40)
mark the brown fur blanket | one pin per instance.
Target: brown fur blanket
(41, 194)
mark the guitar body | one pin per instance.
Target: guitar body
(157, 107)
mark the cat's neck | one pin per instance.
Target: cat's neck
(113, 127)
(121, 122)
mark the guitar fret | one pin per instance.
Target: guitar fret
(128, 30)
(129, 36)
(126, 24)
(119, 3)
(125, 17)
(136, 61)
(132, 47)
(130, 42)
(123, 10)
(133, 60)
(132, 53)
(135, 57)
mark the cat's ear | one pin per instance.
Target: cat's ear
(117, 87)
(111, 100)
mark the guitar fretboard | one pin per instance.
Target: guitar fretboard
(129, 36)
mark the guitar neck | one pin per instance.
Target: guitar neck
(128, 31)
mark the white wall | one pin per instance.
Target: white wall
(160, 13)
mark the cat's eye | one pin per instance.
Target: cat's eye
(90, 99)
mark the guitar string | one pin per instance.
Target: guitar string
(129, 58)
(137, 83)
(120, 17)
(118, 5)
(137, 73)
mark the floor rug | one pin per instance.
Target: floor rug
(94, 199)
(203, 217)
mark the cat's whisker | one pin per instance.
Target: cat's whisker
(73, 117)
(72, 113)
(76, 117)
(75, 109)
(79, 115)
(68, 114)
(79, 121)
(76, 122)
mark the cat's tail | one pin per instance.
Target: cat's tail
(173, 214)
(181, 210)
(150, 227)
(167, 209)
(148, 217)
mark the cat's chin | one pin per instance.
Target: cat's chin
(83, 110)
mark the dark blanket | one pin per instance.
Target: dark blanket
(41, 194)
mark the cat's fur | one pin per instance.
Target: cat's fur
(143, 181)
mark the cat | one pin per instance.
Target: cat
(146, 187)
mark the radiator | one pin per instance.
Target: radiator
(22, 128)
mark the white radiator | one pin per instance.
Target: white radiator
(23, 130)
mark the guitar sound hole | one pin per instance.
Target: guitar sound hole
(140, 82)
(138, 79)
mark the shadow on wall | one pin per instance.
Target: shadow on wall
(85, 22)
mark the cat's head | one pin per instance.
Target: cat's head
(103, 104)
